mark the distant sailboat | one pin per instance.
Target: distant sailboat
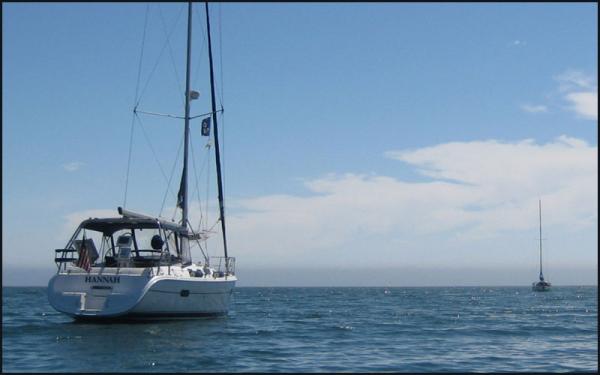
(542, 285)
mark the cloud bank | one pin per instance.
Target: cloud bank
(475, 206)
(473, 191)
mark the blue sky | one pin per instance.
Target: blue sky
(417, 135)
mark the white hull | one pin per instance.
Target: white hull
(136, 293)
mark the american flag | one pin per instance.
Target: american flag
(84, 257)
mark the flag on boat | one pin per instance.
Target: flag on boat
(84, 257)
(206, 127)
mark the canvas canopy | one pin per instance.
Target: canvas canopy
(108, 226)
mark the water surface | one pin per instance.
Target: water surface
(471, 329)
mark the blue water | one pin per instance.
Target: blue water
(472, 329)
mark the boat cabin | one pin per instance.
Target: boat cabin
(126, 242)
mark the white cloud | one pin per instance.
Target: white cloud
(508, 177)
(479, 190)
(575, 80)
(73, 166)
(581, 91)
(534, 108)
(518, 43)
(475, 203)
(584, 104)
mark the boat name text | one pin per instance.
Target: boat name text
(103, 279)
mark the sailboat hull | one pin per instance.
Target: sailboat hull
(138, 295)
(541, 286)
(185, 298)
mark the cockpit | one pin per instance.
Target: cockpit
(127, 242)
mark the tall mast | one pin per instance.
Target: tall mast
(214, 118)
(541, 274)
(184, 183)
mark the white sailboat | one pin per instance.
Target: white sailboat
(542, 285)
(143, 267)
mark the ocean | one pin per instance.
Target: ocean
(417, 329)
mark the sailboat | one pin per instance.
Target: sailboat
(542, 285)
(143, 267)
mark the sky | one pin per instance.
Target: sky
(396, 144)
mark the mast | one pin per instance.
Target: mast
(184, 183)
(541, 274)
(216, 135)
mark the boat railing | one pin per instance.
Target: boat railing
(64, 256)
(163, 260)
(222, 266)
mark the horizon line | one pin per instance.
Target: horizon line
(363, 286)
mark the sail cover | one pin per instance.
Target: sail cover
(180, 194)
(186, 256)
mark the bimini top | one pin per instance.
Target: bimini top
(129, 220)
(110, 225)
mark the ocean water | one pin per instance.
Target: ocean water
(472, 329)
